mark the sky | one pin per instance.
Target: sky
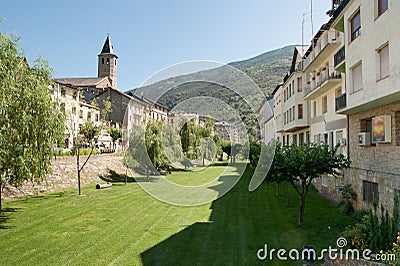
(151, 35)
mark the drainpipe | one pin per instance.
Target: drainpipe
(348, 135)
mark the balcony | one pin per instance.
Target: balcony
(339, 60)
(338, 13)
(340, 102)
(339, 8)
(325, 46)
(322, 83)
(294, 68)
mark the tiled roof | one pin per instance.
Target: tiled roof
(80, 82)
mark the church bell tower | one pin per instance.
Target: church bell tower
(107, 63)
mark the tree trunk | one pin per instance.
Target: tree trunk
(302, 206)
(287, 193)
(79, 171)
(1, 190)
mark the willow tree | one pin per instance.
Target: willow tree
(30, 122)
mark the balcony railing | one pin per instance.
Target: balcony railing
(340, 56)
(341, 102)
(319, 80)
(339, 8)
(330, 37)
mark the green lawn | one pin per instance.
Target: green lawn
(125, 226)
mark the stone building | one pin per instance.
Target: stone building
(77, 111)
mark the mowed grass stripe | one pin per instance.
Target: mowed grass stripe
(106, 229)
(59, 214)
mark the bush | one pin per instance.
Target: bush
(345, 207)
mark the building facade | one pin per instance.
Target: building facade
(370, 56)
(77, 111)
(266, 122)
(227, 132)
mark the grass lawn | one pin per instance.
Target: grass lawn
(125, 226)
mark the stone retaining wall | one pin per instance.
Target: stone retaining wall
(65, 174)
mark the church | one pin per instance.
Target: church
(82, 99)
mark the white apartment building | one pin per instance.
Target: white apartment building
(295, 107)
(277, 93)
(265, 116)
(371, 60)
(291, 110)
(324, 85)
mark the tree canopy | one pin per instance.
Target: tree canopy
(301, 164)
(31, 123)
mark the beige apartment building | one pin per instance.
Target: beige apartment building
(370, 57)
(77, 111)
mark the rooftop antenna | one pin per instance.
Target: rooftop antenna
(311, 17)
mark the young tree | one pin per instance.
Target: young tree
(31, 124)
(300, 165)
(88, 134)
(115, 134)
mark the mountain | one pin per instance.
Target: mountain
(265, 70)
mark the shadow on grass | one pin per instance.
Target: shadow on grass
(115, 177)
(232, 236)
(242, 222)
(4, 217)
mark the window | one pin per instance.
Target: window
(370, 191)
(300, 111)
(108, 61)
(293, 113)
(299, 84)
(290, 115)
(74, 110)
(293, 87)
(284, 95)
(80, 113)
(324, 104)
(366, 126)
(382, 6)
(315, 108)
(74, 96)
(294, 139)
(301, 138)
(356, 75)
(355, 26)
(89, 116)
(383, 54)
(63, 92)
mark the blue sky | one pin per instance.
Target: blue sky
(150, 35)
